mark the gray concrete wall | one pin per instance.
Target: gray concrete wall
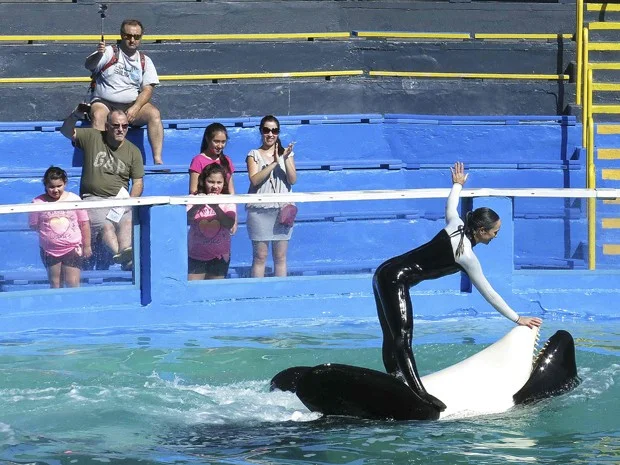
(165, 17)
(35, 102)
(301, 96)
(51, 59)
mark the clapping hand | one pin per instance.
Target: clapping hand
(288, 150)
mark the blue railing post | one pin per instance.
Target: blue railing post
(164, 255)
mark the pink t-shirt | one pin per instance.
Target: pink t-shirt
(201, 160)
(59, 230)
(207, 238)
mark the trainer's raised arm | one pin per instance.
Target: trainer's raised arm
(459, 177)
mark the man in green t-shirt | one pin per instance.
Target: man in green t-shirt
(110, 162)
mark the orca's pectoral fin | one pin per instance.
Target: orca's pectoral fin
(554, 372)
(287, 379)
(439, 405)
(335, 389)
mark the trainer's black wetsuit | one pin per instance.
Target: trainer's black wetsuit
(391, 284)
(448, 252)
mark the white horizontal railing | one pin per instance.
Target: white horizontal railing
(300, 197)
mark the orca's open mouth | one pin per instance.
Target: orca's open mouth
(554, 370)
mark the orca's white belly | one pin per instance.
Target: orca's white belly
(485, 382)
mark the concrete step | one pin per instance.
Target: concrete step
(52, 102)
(52, 60)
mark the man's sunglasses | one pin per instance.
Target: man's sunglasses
(274, 131)
(120, 126)
(130, 36)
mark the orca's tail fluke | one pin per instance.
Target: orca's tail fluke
(287, 380)
(554, 370)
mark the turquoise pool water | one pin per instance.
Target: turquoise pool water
(199, 395)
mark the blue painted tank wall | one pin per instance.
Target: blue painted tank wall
(345, 240)
(344, 152)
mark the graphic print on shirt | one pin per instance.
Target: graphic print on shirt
(60, 225)
(109, 163)
(210, 229)
(126, 69)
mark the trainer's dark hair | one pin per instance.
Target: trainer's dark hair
(131, 22)
(53, 173)
(273, 119)
(482, 217)
(208, 171)
(210, 132)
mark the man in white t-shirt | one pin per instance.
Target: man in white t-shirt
(124, 80)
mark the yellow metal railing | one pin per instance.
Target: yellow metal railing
(584, 96)
(582, 84)
(578, 40)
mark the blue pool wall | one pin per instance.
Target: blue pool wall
(344, 152)
(538, 262)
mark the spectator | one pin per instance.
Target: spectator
(210, 228)
(110, 161)
(271, 169)
(214, 140)
(64, 235)
(124, 79)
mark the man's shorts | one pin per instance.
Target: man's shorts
(215, 267)
(97, 216)
(72, 259)
(113, 105)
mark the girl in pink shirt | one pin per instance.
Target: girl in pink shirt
(210, 228)
(64, 235)
(214, 140)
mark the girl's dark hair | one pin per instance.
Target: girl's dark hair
(208, 171)
(273, 119)
(482, 217)
(53, 173)
(208, 136)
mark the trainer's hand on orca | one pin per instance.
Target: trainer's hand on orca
(458, 173)
(529, 321)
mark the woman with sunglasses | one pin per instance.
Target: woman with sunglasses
(271, 169)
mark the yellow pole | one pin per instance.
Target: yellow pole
(591, 178)
(585, 88)
(580, 51)
(591, 233)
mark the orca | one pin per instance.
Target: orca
(494, 380)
